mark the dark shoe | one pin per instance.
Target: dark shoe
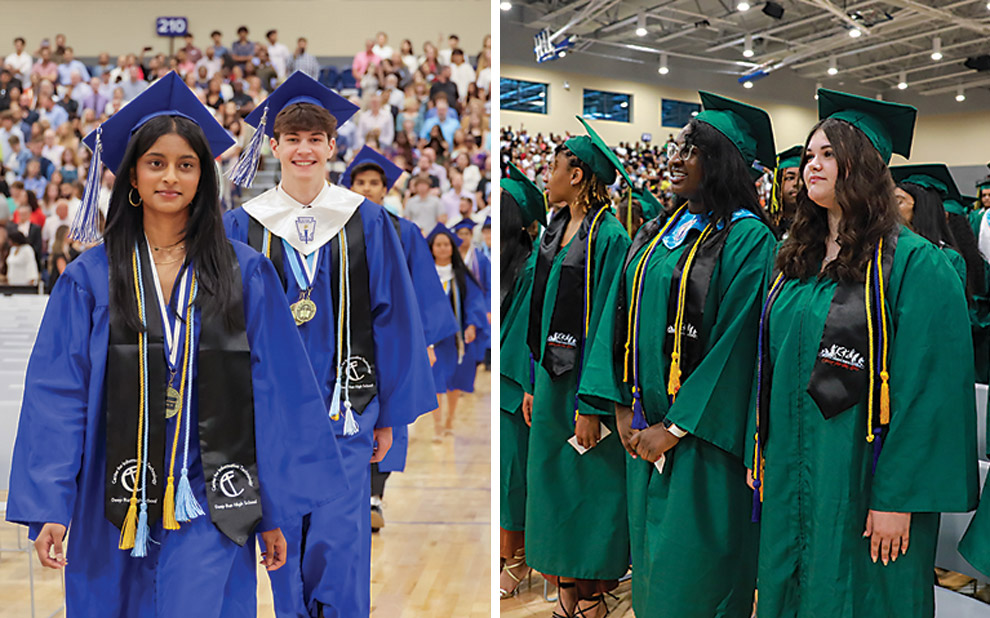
(377, 519)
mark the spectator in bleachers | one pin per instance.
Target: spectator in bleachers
(16, 155)
(7, 130)
(71, 192)
(408, 55)
(77, 89)
(364, 60)
(45, 67)
(69, 165)
(376, 117)
(242, 50)
(303, 61)
(484, 74)
(22, 264)
(133, 83)
(453, 42)
(60, 256)
(447, 123)
(59, 217)
(470, 171)
(58, 53)
(28, 220)
(193, 53)
(211, 62)
(116, 102)
(382, 49)
(70, 64)
(51, 149)
(8, 86)
(36, 146)
(218, 47)
(429, 63)
(461, 73)
(423, 207)
(33, 181)
(437, 144)
(102, 65)
(4, 250)
(19, 61)
(95, 100)
(214, 97)
(264, 70)
(183, 65)
(392, 95)
(443, 85)
(451, 198)
(278, 53)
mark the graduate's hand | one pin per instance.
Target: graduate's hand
(749, 479)
(889, 534)
(587, 429)
(273, 554)
(51, 536)
(470, 333)
(527, 409)
(432, 354)
(381, 442)
(653, 442)
(489, 314)
(623, 424)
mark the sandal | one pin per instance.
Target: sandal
(599, 600)
(561, 586)
(520, 561)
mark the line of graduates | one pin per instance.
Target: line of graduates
(792, 395)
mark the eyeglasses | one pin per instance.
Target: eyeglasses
(683, 152)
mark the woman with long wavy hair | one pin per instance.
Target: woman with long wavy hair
(865, 413)
(168, 408)
(575, 503)
(679, 364)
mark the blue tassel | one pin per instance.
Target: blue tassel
(532, 370)
(350, 424)
(638, 421)
(86, 224)
(243, 172)
(186, 506)
(757, 503)
(141, 537)
(878, 432)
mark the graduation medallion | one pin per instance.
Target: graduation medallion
(303, 311)
(172, 402)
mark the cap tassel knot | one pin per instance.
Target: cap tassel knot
(244, 171)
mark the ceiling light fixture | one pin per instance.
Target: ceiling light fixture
(748, 46)
(902, 81)
(960, 94)
(747, 84)
(855, 33)
(833, 68)
(742, 7)
(641, 25)
(937, 48)
(664, 69)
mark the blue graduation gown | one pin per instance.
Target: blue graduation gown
(58, 469)
(336, 565)
(448, 374)
(437, 315)
(482, 269)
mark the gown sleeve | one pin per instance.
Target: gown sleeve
(928, 462)
(514, 364)
(713, 402)
(405, 378)
(610, 253)
(434, 306)
(234, 224)
(48, 451)
(299, 461)
(475, 309)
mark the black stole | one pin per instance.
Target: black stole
(566, 332)
(361, 365)
(226, 413)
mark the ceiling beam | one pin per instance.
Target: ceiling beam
(943, 14)
(744, 66)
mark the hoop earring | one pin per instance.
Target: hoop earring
(131, 200)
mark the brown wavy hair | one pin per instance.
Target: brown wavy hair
(864, 191)
(592, 190)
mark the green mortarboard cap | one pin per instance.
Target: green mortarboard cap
(527, 195)
(746, 126)
(889, 126)
(649, 203)
(931, 176)
(954, 207)
(790, 157)
(983, 184)
(593, 150)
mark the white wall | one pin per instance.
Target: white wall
(333, 27)
(955, 139)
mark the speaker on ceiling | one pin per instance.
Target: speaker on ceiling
(773, 10)
(978, 63)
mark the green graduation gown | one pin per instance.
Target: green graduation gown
(975, 544)
(818, 486)
(514, 380)
(693, 542)
(576, 504)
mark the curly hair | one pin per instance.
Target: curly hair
(864, 192)
(592, 190)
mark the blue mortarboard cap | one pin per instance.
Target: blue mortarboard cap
(368, 155)
(298, 88)
(440, 228)
(487, 223)
(168, 96)
(467, 223)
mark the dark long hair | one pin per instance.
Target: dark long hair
(864, 192)
(515, 244)
(929, 215)
(461, 272)
(727, 184)
(206, 245)
(968, 247)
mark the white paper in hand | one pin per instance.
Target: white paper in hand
(580, 449)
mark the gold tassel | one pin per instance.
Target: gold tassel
(674, 383)
(884, 398)
(128, 531)
(168, 510)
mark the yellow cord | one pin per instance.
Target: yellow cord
(884, 375)
(587, 270)
(674, 380)
(869, 335)
(129, 529)
(168, 508)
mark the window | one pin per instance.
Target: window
(517, 95)
(675, 113)
(607, 105)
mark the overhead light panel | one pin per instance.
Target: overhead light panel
(664, 69)
(833, 68)
(641, 25)
(960, 94)
(902, 81)
(744, 6)
(505, 6)
(747, 84)
(937, 48)
(748, 46)
(562, 54)
(855, 33)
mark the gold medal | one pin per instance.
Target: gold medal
(303, 311)
(172, 402)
